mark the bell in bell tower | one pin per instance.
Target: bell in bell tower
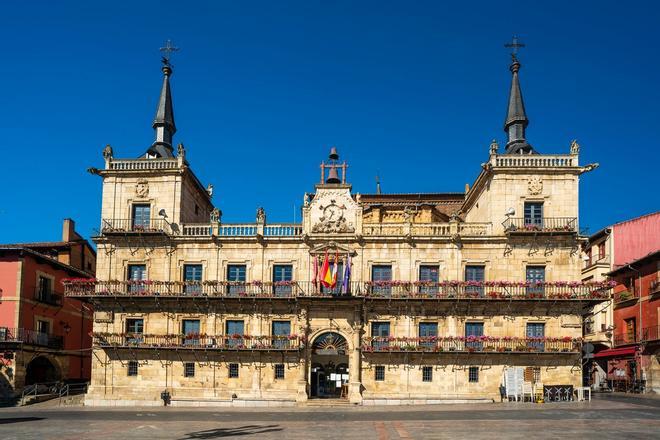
(330, 171)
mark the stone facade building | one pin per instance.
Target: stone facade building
(438, 296)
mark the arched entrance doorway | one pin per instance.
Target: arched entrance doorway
(329, 367)
(41, 369)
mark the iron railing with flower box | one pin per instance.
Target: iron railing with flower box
(521, 225)
(340, 289)
(9, 336)
(151, 288)
(494, 290)
(472, 344)
(199, 341)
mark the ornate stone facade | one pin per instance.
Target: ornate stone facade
(446, 291)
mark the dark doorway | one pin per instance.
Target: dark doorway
(40, 370)
(329, 369)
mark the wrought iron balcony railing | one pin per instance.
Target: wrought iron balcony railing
(388, 290)
(30, 337)
(524, 225)
(626, 338)
(470, 344)
(651, 333)
(625, 296)
(47, 297)
(199, 341)
(131, 226)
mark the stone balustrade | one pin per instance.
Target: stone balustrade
(534, 161)
(143, 164)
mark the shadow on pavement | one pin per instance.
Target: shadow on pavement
(19, 419)
(228, 432)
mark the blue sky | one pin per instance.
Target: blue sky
(413, 91)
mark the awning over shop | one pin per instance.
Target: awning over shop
(611, 352)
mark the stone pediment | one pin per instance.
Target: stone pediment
(331, 247)
(333, 211)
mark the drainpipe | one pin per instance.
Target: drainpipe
(639, 341)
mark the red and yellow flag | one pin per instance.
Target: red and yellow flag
(325, 275)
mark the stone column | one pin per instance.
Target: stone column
(354, 384)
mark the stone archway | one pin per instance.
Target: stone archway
(40, 370)
(329, 366)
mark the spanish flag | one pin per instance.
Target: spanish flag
(325, 276)
(330, 276)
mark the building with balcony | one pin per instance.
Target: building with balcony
(372, 298)
(611, 248)
(44, 336)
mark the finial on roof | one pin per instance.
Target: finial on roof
(377, 184)
(516, 119)
(163, 124)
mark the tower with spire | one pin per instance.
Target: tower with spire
(516, 118)
(163, 124)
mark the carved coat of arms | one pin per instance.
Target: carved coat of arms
(142, 189)
(535, 185)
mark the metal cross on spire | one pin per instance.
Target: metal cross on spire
(514, 46)
(167, 52)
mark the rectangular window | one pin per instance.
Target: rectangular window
(380, 331)
(192, 275)
(132, 368)
(282, 279)
(233, 371)
(279, 371)
(381, 275)
(43, 327)
(190, 330)
(535, 276)
(379, 373)
(236, 279)
(44, 289)
(428, 331)
(427, 374)
(134, 330)
(137, 273)
(534, 215)
(473, 374)
(474, 276)
(535, 332)
(234, 333)
(141, 217)
(631, 330)
(281, 331)
(473, 332)
(428, 279)
(189, 369)
(601, 251)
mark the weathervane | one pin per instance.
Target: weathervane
(167, 52)
(514, 46)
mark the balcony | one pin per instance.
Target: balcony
(545, 225)
(651, 333)
(199, 342)
(604, 261)
(472, 344)
(47, 297)
(11, 337)
(625, 298)
(386, 290)
(425, 229)
(126, 226)
(625, 338)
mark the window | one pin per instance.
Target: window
(474, 274)
(236, 279)
(134, 330)
(192, 273)
(631, 330)
(141, 217)
(601, 251)
(534, 215)
(535, 330)
(427, 374)
(535, 276)
(233, 371)
(279, 371)
(45, 288)
(132, 368)
(588, 325)
(379, 373)
(380, 332)
(428, 330)
(137, 272)
(43, 327)
(189, 369)
(430, 275)
(282, 278)
(473, 374)
(281, 331)
(234, 331)
(190, 331)
(589, 261)
(473, 331)
(380, 276)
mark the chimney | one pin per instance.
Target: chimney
(69, 230)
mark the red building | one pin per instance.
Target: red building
(44, 337)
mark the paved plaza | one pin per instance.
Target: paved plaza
(613, 417)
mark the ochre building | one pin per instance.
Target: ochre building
(442, 296)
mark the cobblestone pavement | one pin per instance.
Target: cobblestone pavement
(617, 418)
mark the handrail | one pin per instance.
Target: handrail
(72, 388)
(545, 224)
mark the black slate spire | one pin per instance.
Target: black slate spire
(516, 119)
(163, 125)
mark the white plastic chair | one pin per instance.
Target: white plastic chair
(527, 391)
